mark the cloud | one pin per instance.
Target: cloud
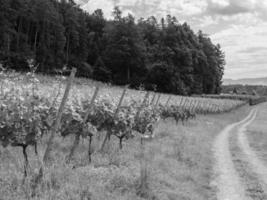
(106, 6)
(227, 7)
(253, 50)
(245, 48)
(240, 26)
(236, 7)
(207, 21)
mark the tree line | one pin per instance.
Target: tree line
(163, 55)
(260, 90)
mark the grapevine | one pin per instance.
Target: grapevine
(27, 114)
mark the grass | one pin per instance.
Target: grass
(179, 166)
(250, 180)
(178, 160)
(256, 133)
(83, 89)
(257, 138)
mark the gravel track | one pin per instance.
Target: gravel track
(257, 165)
(227, 181)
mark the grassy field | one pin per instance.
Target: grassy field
(178, 162)
(254, 186)
(257, 133)
(175, 164)
(83, 90)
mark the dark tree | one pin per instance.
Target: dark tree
(166, 55)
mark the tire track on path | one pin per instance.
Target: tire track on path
(257, 165)
(226, 178)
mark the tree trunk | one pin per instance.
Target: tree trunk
(28, 32)
(128, 74)
(121, 138)
(35, 41)
(8, 48)
(89, 148)
(74, 146)
(26, 161)
(18, 34)
(105, 141)
(35, 149)
(67, 50)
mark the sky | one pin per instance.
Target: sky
(239, 26)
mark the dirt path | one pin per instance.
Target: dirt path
(226, 180)
(256, 164)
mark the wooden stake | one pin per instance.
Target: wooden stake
(142, 105)
(143, 169)
(193, 105)
(190, 104)
(77, 136)
(47, 154)
(185, 102)
(108, 134)
(181, 101)
(154, 97)
(143, 162)
(196, 107)
(90, 105)
(120, 102)
(168, 100)
(158, 100)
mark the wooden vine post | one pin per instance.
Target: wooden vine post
(167, 102)
(196, 107)
(77, 136)
(192, 106)
(142, 105)
(143, 162)
(204, 106)
(154, 98)
(120, 102)
(108, 134)
(200, 107)
(157, 102)
(181, 102)
(211, 108)
(47, 155)
(218, 110)
(185, 103)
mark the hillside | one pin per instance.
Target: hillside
(166, 55)
(246, 81)
(151, 160)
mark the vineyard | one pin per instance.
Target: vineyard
(32, 110)
(252, 99)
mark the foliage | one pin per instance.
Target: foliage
(26, 115)
(247, 89)
(122, 51)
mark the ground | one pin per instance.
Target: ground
(179, 163)
(240, 170)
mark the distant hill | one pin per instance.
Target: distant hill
(246, 81)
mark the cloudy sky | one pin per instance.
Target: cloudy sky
(240, 26)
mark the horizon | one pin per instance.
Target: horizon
(236, 79)
(240, 27)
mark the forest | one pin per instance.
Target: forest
(257, 90)
(162, 55)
